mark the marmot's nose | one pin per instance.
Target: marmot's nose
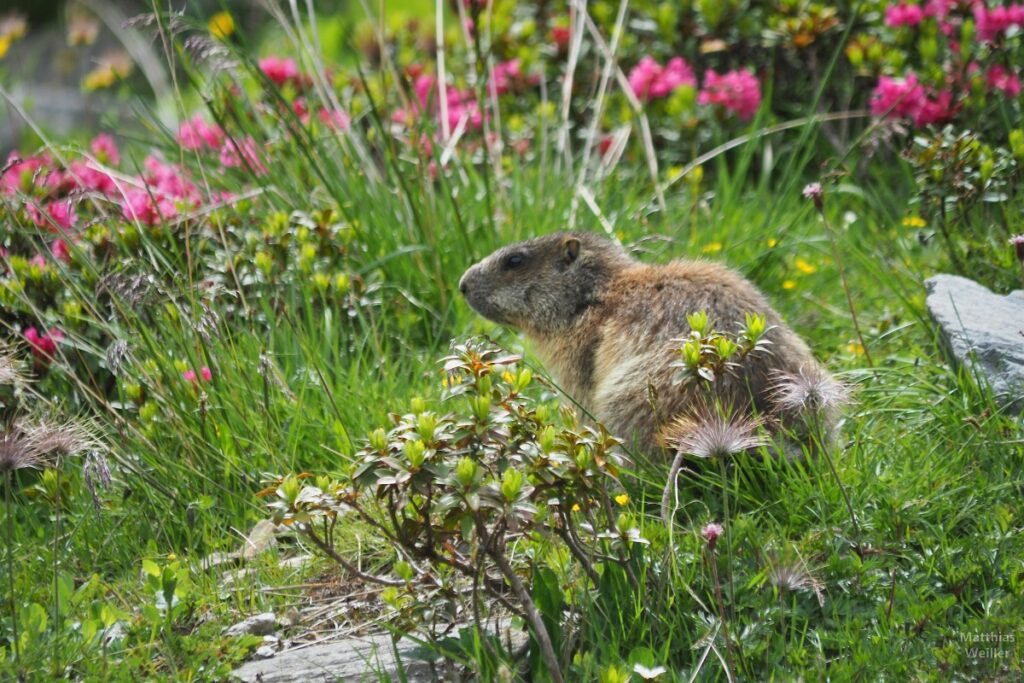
(463, 285)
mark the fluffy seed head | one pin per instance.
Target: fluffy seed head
(810, 390)
(710, 435)
(10, 368)
(794, 577)
(18, 451)
(62, 440)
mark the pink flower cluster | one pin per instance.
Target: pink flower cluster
(990, 22)
(159, 193)
(738, 91)
(904, 14)
(196, 134)
(336, 119)
(461, 105)
(649, 80)
(1003, 80)
(165, 190)
(191, 376)
(282, 70)
(906, 98)
(43, 344)
(508, 77)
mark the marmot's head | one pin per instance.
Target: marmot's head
(543, 284)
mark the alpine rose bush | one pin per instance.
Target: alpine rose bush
(737, 91)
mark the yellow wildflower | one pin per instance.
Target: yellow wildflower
(622, 498)
(508, 377)
(856, 348)
(575, 507)
(804, 266)
(772, 242)
(171, 557)
(221, 25)
(5, 45)
(712, 248)
(789, 284)
(914, 222)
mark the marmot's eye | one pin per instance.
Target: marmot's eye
(513, 261)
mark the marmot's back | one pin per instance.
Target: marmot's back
(644, 317)
(604, 325)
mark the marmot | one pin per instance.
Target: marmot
(604, 323)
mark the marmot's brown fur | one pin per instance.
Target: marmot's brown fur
(604, 323)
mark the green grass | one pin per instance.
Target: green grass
(300, 376)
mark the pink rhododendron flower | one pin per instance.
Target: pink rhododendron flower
(506, 76)
(938, 9)
(60, 214)
(335, 119)
(44, 345)
(281, 70)
(904, 15)
(906, 98)
(60, 251)
(105, 150)
(991, 22)
(170, 180)
(649, 80)
(560, 37)
(301, 110)
(1005, 81)
(242, 154)
(461, 105)
(141, 206)
(18, 175)
(90, 178)
(196, 134)
(738, 91)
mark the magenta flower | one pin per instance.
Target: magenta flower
(992, 22)
(507, 76)
(711, 532)
(1007, 82)
(649, 80)
(60, 251)
(105, 150)
(44, 345)
(60, 215)
(18, 174)
(191, 376)
(906, 98)
(904, 15)
(738, 91)
(334, 119)
(281, 70)
(242, 154)
(196, 134)
(90, 178)
(147, 208)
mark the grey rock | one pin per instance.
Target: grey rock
(353, 659)
(984, 332)
(256, 625)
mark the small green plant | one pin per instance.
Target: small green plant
(478, 500)
(707, 354)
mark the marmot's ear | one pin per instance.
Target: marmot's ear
(570, 249)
